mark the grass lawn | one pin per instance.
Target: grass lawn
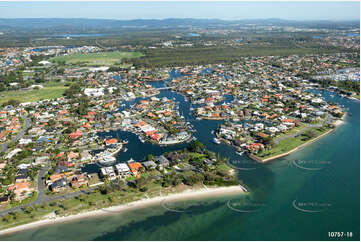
(94, 59)
(289, 144)
(50, 90)
(292, 131)
(93, 201)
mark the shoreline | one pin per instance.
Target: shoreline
(185, 195)
(336, 123)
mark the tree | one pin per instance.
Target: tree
(196, 146)
(12, 102)
(141, 183)
(150, 157)
(28, 209)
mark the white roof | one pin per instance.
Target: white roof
(122, 167)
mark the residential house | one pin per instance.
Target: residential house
(59, 185)
(21, 190)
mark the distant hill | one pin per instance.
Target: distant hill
(59, 24)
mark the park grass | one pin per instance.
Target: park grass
(50, 90)
(289, 144)
(96, 59)
(83, 203)
(292, 131)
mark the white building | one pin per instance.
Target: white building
(122, 169)
(94, 92)
(12, 153)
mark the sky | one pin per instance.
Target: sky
(289, 10)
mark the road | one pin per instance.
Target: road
(20, 134)
(42, 197)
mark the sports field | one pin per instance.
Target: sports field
(50, 90)
(96, 59)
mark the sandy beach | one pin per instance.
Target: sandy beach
(185, 195)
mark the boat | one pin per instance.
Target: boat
(243, 188)
(125, 150)
(216, 141)
(107, 159)
(240, 153)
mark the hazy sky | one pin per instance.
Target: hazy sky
(160, 10)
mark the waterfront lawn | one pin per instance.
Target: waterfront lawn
(93, 201)
(291, 143)
(50, 90)
(96, 59)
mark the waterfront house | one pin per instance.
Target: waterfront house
(135, 167)
(149, 164)
(79, 180)
(162, 161)
(108, 172)
(21, 190)
(122, 169)
(59, 185)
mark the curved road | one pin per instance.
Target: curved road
(27, 123)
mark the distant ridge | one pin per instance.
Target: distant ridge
(79, 23)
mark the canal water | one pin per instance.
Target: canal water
(299, 197)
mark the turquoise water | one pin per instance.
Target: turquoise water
(299, 197)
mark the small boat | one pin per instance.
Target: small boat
(125, 150)
(216, 141)
(243, 188)
(240, 153)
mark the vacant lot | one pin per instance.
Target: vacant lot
(97, 59)
(50, 90)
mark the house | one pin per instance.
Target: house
(73, 155)
(25, 141)
(79, 181)
(21, 191)
(75, 135)
(60, 169)
(208, 162)
(122, 169)
(162, 161)
(149, 164)
(53, 178)
(12, 153)
(134, 167)
(85, 155)
(111, 141)
(58, 185)
(108, 172)
(22, 176)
